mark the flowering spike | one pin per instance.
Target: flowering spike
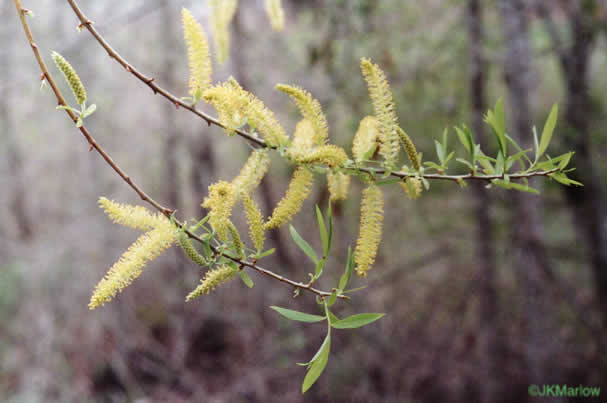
(299, 189)
(409, 147)
(366, 138)
(276, 14)
(338, 185)
(255, 221)
(252, 172)
(222, 12)
(412, 187)
(383, 105)
(235, 106)
(198, 54)
(330, 155)
(220, 201)
(371, 221)
(131, 216)
(212, 279)
(236, 241)
(71, 77)
(130, 265)
(310, 109)
(188, 248)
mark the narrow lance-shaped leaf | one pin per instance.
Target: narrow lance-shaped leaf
(303, 245)
(548, 130)
(319, 362)
(298, 316)
(355, 321)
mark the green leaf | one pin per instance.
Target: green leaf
(463, 161)
(318, 365)
(246, 279)
(562, 178)
(439, 151)
(495, 119)
(516, 186)
(266, 253)
(89, 111)
(303, 245)
(367, 156)
(298, 316)
(358, 320)
(389, 181)
(465, 137)
(330, 216)
(548, 130)
(565, 158)
(318, 269)
(332, 298)
(323, 232)
(343, 281)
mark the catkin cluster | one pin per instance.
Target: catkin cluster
(222, 12)
(160, 236)
(71, 77)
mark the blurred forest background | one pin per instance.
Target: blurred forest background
(486, 291)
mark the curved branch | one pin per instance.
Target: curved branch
(164, 210)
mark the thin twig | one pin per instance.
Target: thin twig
(88, 24)
(166, 211)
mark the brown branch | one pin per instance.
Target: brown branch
(149, 81)
(166, 211)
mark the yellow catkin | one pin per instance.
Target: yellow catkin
(236, 241)
(234, 104)
(188, 248)
(198, 55)
(71, 77)
(330, 155)
(130, 265)
(252, 172)
(220, 201)
(222, 12)
(311, 110)
(131, 216)
(338, 185)
(212, 279)
(366, 138)
(412, 187)
(276, 14)
(371, 221)
(255, 221)
(299, 189)
(383, 105)
(409, 148)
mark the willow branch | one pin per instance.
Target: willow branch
(144, 196)
(149, 81)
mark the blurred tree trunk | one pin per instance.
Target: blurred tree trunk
(486, 254)
(530, 256)
(17, 190)
(585, 202)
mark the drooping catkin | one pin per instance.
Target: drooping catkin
(130, 265)
(409, 148)
(212, 279)
(131, 216)
(276, 14)
(235, 106)
(412, 187)
(383, 105)
(188, 248)
(310, 109)
(252, 172)
(71, 77)
(255, 221)
(371, 221)
(236, 241)
(329, 155)
(299, 189)
(366, 138)
(220, 201)
(338, 183)
(199, 60)
(222, 12)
